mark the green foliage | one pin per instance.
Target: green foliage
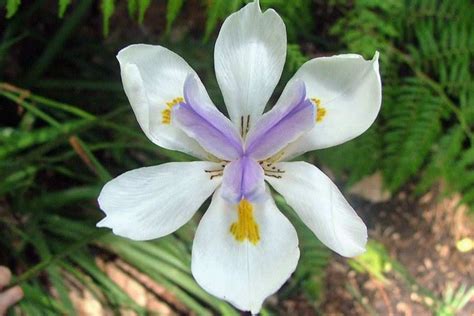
(58, 225)
(314, 257)
(172, 10)
(108, 8)
(413, 125)
(216, 11)
(454, 300)
(375, 261)
(380, 265)
(426, 124)
(297, 15)
(295, 58)
(369, 25)
(142, 8)
(62, 7)
(12, 6)
(364, 153)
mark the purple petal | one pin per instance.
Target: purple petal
(243, 179)
(292, 116)
(201, 120)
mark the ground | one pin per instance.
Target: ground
(422, 235)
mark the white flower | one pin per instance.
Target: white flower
(244, 249)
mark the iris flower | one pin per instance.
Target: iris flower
(244, 248)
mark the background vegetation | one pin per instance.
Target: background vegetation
(67, 128)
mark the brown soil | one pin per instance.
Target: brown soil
(421, 235)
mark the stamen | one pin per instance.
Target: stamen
(245, 227)
(166, 113)
(270, 170)
(320, 111)
(248, 125)
(316, 101)
(273, 176)
(217, 172)
(244, 126)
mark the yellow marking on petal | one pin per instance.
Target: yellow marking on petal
(316, 101)
(166, 113)
(245, 227)
(320, 111)
(320, 114)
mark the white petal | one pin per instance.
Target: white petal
(153, 76)
(152, 202)
(238, 271)
(350, 91)
(321, 206)
(249, 57)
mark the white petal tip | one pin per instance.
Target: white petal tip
(121, 55)
(255, 311)
(376, 55)
(256, 3)
(353, 252)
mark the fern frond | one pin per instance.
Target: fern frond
(369, 26)
(442, 40)
(411, 130)
(443, 154)
(428, 94)
(357, 158)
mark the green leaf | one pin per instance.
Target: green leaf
(172, 10)
(63, 4)
(218, 9)
(55, 44)
(142, 8)
(108, 8)
(12, 141)
(132, 6)
(12, 7)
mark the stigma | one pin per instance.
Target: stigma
(245, 227)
